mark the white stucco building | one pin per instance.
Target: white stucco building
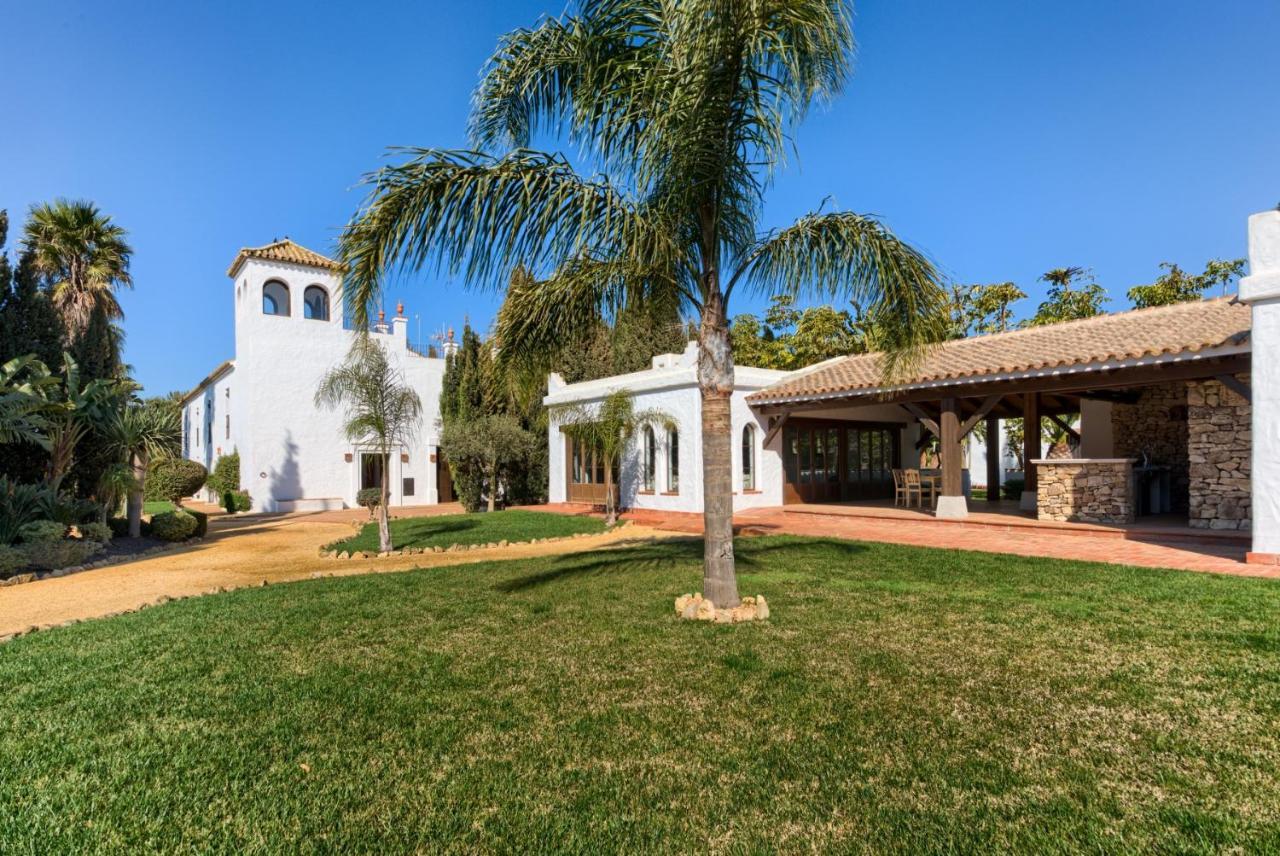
(289, 331)
(1171, 415)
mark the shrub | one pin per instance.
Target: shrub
(120, 527)
(175, 479)
(99, 532)
(42, 532)
(370, 498)
(20, 504)
(202, 522)
(236, 500)
(12, 559)
(225, 477)
(173, 526)
(1012, 489)
(51, 555)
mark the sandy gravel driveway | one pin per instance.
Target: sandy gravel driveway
(243, 551)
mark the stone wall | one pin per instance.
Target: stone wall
(1219, 428)
(1098, 491)
(1157, 425)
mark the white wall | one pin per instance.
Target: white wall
(212, 407)
(293, 454)
(1261, 289)
(671, 389)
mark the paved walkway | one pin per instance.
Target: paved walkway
(248, 550)
(1213, 553)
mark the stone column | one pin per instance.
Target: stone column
(1261, 290)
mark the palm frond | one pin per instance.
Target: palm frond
(481, 216)
(853, 256)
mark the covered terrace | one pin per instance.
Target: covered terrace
(1155, 404)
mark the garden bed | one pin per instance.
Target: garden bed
(467, 531)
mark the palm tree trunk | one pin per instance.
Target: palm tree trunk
(715, 382)
(610, 510)
(384, 521)
(133, 504)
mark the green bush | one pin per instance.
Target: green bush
(1012, 489)
(173, 526)
(42, 532)
(120, 527)
(236, 500)
(225, 477)
(175, 479)
(99, 532)
(20, 504)
(370, 498)
(51, 555)
(202, 522)
(12, 559)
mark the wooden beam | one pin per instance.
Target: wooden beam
(1117, 396)
(1084, 384)
(775, 426)
(918, 413)
(993, 459)
(1064, 425)
(986, 407)
(1237, 386)
(950, 452)
(1030, 440)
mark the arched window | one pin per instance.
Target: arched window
(275, 298)
(673, 461)
(315, 303)
(649, 464)
(748, 457)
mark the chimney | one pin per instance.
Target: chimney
(381, 325)
(400, 324)
(450, 347)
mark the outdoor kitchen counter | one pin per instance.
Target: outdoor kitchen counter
(1087, 490)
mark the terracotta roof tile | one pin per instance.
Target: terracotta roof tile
(284, 251)
(1164, 330)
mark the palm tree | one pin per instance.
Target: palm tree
(686, 107)
(84, 256)
(608, 429)
(380, 409)
(142, 433)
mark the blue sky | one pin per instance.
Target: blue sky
(1004, 138)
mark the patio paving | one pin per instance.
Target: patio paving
(1156, 544)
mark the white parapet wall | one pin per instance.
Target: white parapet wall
(1261, 290)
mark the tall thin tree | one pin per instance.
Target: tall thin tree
(380, 409)
(686, 107)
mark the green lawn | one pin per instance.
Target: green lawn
(900, 700)
(513, 525)
(158, 506)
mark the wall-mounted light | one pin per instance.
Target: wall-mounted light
(404, 457)
(347, 457)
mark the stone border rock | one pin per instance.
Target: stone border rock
(697, 608)
(36, 576)
(328, 551)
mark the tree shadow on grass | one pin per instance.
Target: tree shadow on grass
(759, 555)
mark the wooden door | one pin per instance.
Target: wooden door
(444, 479)
(831, 461)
